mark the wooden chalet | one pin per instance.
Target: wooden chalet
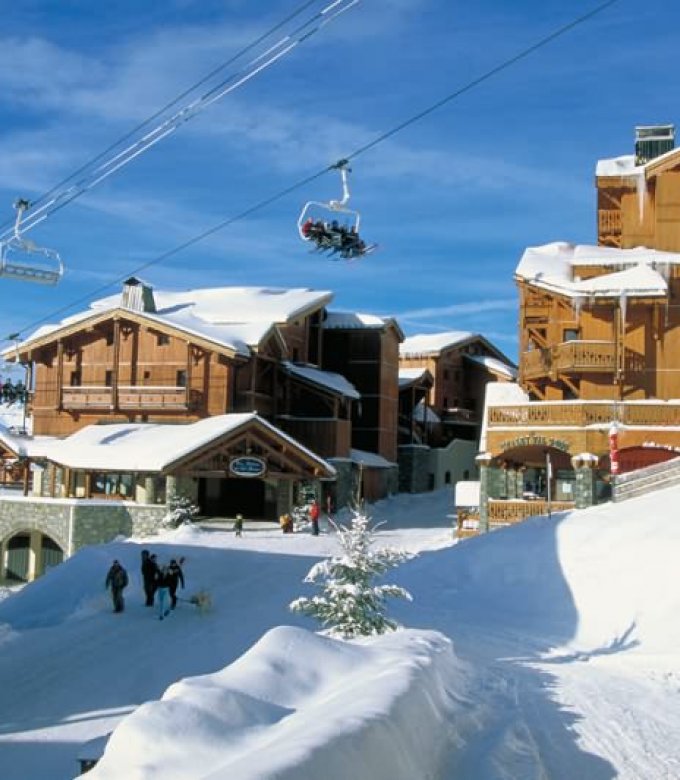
(460, 365)
(599, 338)
(158, 361)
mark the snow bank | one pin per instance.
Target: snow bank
(303, 706)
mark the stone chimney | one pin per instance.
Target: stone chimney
(652, 141)
(137, 296)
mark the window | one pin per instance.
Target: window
(162, 339)
(570, 334)
(75, 379)
(114, 485)
(447, 478)
(109, 338)
(108, 379)
(446, 402)
(181, 378)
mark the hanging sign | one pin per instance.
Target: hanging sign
(247, 466)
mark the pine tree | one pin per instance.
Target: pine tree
(181, 510)
(350, 604)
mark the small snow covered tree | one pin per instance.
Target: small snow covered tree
(350, 604)
(181, 510)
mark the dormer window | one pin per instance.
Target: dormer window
(162, 339)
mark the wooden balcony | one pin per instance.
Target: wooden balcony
(570, 357)
(129, 398)
(542, 414)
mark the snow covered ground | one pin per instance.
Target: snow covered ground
(548, 650)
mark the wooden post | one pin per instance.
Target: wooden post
(27, 469)
(60, 373)
(116, 360)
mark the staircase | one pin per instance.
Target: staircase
(636, 483)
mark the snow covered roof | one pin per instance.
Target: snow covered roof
(370, 459)
(411, 376)
(625, 164)
(336, 383)
(633, 272)
(494, 364)
(499, 394)
(422, 411)
(149, 447)
(233, 317)
(346, 319)
(433, 343)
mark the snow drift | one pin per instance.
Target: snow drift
(299, 705)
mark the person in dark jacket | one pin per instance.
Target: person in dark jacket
(117, 581)
(162, 588)
(149, 570)
(175, 578)
(314, 513)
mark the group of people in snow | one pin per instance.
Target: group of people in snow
(313, 513)
(335, 238)
(12, 393)
(158, 580)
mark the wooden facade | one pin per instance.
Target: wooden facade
(641, 208)
(457, 392)
(369, 359)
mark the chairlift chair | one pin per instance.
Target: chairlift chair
(315, 211)
(22, 259)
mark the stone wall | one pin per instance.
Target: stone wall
(414, 468)
(73, 523)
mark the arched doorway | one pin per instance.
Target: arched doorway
(17, 567)
(29, 554)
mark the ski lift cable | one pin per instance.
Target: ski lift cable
(314, 176)
(138, 128)
(60, 198)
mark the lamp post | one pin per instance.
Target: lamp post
(548, 480)
(614, 465)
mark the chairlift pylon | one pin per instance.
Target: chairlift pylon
(23, 259)
(319, 222)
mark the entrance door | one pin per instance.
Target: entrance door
(52, 554)
(17, 557)
(229, 497)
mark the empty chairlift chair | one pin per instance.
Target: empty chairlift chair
(22, 259)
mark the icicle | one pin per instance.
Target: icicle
(623, 301)
(576, 305)
(641, 187)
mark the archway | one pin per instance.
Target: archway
(27, 555)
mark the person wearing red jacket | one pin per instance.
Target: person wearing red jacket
(314, 513)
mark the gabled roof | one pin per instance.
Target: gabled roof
(625, 165)
(335, 383)
(434, 343)
(494, 365)
(631, 272)
(148, 447)
(414, 376)
(235, 319)
(346, 320)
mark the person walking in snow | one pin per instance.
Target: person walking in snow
(175, 578)
(117, 581)
(163, 589)
(149, 571)
(314, 513)
(238, 525)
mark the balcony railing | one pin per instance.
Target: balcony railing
(129, 397)
(507, 512)
(570, 357)
(583, 413)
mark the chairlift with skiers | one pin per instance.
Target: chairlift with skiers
(22, 259)
(333, 227)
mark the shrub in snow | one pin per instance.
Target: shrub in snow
(180, 511)
(350, 604)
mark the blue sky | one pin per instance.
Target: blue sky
(452, 200)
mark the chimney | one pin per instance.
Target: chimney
(652, 141)
(137, 296)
